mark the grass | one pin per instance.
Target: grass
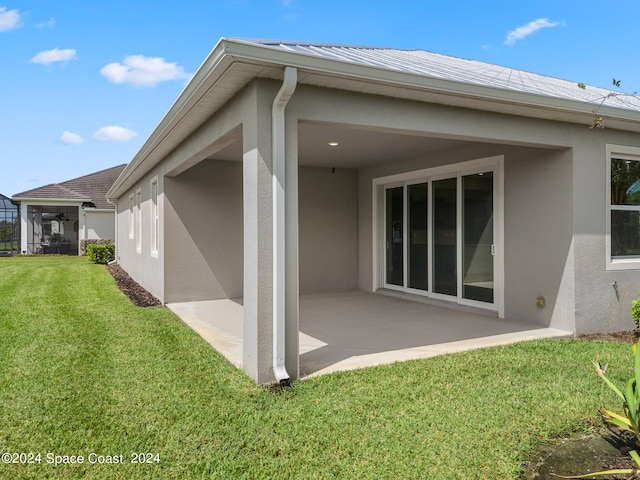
(84, 371)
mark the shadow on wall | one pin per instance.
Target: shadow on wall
(204, 232)
(328, 229)
(538, 234)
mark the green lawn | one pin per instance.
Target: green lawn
(83, 371)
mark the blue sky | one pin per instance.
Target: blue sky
(84, 83)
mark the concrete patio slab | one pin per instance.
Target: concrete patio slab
(349, 330)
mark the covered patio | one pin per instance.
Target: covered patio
(355, 329)
(281, 178)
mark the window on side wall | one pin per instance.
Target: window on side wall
(131, 216)
(155, 233)
(623, 212)
(138, 221)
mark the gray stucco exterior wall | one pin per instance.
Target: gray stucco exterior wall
(328, 229)
(204, 241)
(143, 266)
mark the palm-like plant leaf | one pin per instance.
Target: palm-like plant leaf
(617, 420)
(628, 421)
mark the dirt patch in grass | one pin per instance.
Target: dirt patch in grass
(581, 453)
(138, 295)
(628, 336)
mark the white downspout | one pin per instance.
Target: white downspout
(278, 154)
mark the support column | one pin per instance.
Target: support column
(24, 228)
(259, 227)
(82, 228)
(258, 235)
(292, 289)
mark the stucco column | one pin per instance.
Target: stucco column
(82, 228)
(24, 228)
(258, 248)
(292, 293)
(259, 227)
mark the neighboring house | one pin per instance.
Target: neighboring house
(57, 218)
(288, 168)
(9, 227)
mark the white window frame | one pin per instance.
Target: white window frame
(626, 153)
(138, 233)
(132, 217)
(446, 171)
(155, 221)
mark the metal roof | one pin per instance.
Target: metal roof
(462, 70)
(414, 75)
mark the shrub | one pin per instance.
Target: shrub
(92, 241)
(101, 253)
(635, 311)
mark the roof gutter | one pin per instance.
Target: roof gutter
(279, 230)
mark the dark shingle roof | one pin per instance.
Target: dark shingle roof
(92, 188)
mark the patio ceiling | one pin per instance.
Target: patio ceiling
(357, 147)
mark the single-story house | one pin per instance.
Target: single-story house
(285, 168)
(56, 218)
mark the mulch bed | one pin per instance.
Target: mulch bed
(138, 295)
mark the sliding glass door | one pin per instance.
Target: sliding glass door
(417, 246)
(440, 237)
(478, 245)
(394, 202)
(445, 237)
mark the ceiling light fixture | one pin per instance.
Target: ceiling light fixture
(333, 144)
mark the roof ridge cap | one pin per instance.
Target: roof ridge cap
(70, 190)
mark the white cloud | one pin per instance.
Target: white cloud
(49, 23)
(71, 138)
(143, 71)
(114, 133)
(9, 19)
(50, 56)
(526, 30)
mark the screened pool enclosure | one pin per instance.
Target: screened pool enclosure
(9, 228)
(52, 229)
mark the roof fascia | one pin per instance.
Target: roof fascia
(50, 201)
